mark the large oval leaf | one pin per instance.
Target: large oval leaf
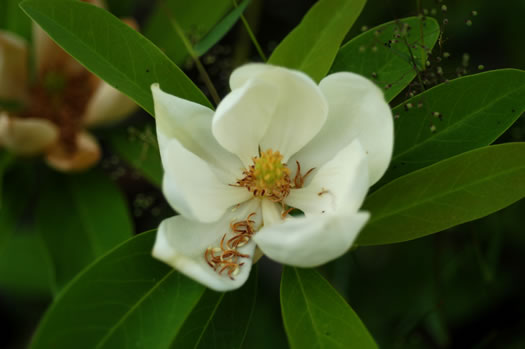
(316, 316)
(453, 191)
(455, 117)
(112, 50)
(220, 320)
(381, 53)
(312, 46)
(125, 299)
(80, 217)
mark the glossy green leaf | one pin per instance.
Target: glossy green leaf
(125, 299)
(80, 217)
(220, 29)
(316, 316)
(138, 146)
(382, 54)
(112, 50)
(220, 320)
(191, 17)
(312, 46)
(14, 20)
(454, 191)
(455, 117)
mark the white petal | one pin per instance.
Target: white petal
(247, 72)
(193, 189)
(341, 183)
(27, 136)
(357, 110)
(300, 112)
(182, 243)
(107, 105)
(190, 124)
(13, 67)
(271, 212)
(243, 116)
(310, 241)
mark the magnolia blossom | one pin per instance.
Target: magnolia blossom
(278, 142)
(56, 108)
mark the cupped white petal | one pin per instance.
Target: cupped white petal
(190, 124)
(26, 136)
(182, 243)
(192, 188)
(341, 183)
(300, 111)
(107, 105)
(310, 241)
(13, 67)
(357, 110)
(247, 72)
(243, 116)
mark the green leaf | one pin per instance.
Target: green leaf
(125, 299)
(112, 50)
(316, 316)
(24, 267)
(80, 217)
(196, 23)
(220, 320)
(17, 196)
(381, 53)
(138, 146)
(312, 46)
(454, 191)
(473, 112)
(14, 20)
(218, 32)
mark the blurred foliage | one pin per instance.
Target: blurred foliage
(458, 289)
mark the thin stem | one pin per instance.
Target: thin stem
(252, 35)
(202, 71)
(421, 33)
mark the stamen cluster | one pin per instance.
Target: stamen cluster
(268, 177)
(226, 257)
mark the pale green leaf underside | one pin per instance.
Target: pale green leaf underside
(454, 191)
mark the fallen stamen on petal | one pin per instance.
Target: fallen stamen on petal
(228, 256)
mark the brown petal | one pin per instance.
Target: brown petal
(13, 67)
(86, 155)
(28, 136)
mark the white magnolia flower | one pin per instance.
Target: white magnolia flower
(278, 141)
(63, 100)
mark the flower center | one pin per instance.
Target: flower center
(62, 99)
(268, 177)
